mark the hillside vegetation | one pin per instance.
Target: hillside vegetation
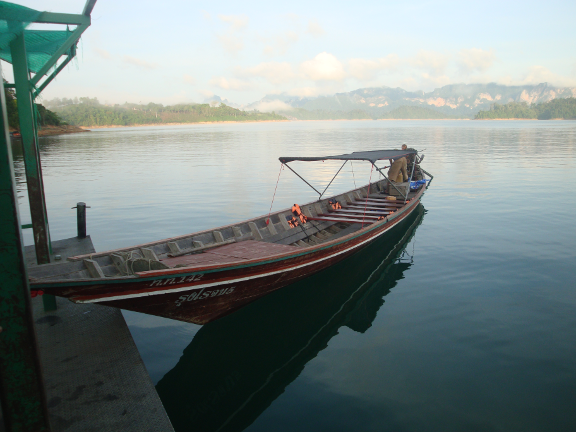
(454, 100)
(45, 116)
(89, 112)
(555, 109)
(304, 114)
(405, 112)
(415, 113)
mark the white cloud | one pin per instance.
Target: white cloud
(139, 62)
(314, 28)
(475, 59)
(278, 45)
(230, 84)
(539, 74)
(273, 72)
(324, 67)
(293, 18)
(206, 93)
(236, 22)
(275, 105)
(231, 43)
(206, 15)
(368, 69)
(434, 80)
(102, 53)
(430, 61)
(189, 79)
(304, 91)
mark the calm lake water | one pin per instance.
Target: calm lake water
(463, 319)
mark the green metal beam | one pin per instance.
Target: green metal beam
(72, 39)
(21, 384)
(53, 75)
(88, 7)
(62, 18)
(30, 149)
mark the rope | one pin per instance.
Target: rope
(367, 195)
(353, 174)
(274, 196)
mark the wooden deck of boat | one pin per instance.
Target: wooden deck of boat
(243, 251)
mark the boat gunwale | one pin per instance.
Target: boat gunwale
(189, 235)
(271, 258)
(213, 268)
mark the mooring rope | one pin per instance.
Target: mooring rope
(274, 196)
(367, 195)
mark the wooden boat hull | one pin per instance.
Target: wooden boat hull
(204, 293)
(249, 358)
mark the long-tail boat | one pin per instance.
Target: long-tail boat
(202, 276)
(237, 366)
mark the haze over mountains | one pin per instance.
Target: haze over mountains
(456, 100)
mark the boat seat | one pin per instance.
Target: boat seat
(128, 263)
(142, 264)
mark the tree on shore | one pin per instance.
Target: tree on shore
(554, 109)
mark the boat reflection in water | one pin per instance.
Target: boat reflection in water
(235, 367)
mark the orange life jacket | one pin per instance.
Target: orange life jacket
(334, 204)
(298, 213)
(293, 223)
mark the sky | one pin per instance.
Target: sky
(182, 51)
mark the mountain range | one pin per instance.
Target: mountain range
(455, 100)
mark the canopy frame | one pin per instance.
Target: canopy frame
(369, 156)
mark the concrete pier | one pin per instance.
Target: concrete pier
(65, 248)
(94, 377)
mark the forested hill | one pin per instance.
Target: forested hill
(555, 109)
(45, 117)
(415, 113)
(89, 112)
(454, 100)
(405, 112)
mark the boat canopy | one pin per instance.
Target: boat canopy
(371, 156)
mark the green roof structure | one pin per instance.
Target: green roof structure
(44, 48)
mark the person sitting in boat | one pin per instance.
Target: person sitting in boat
(398, 172)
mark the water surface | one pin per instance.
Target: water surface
(477, 332)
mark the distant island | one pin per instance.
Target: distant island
(90, 112)
(564, 109)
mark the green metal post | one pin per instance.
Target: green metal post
(30, 148)
(21, 385)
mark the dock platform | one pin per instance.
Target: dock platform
(94, 376)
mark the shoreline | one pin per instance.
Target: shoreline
(501, 119)
(255, 121)
(69, 129)
(183, 124)
(60, 130)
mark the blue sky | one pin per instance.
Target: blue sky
(179, 51)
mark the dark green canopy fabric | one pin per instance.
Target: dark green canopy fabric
(40, 44)
(371, 156)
